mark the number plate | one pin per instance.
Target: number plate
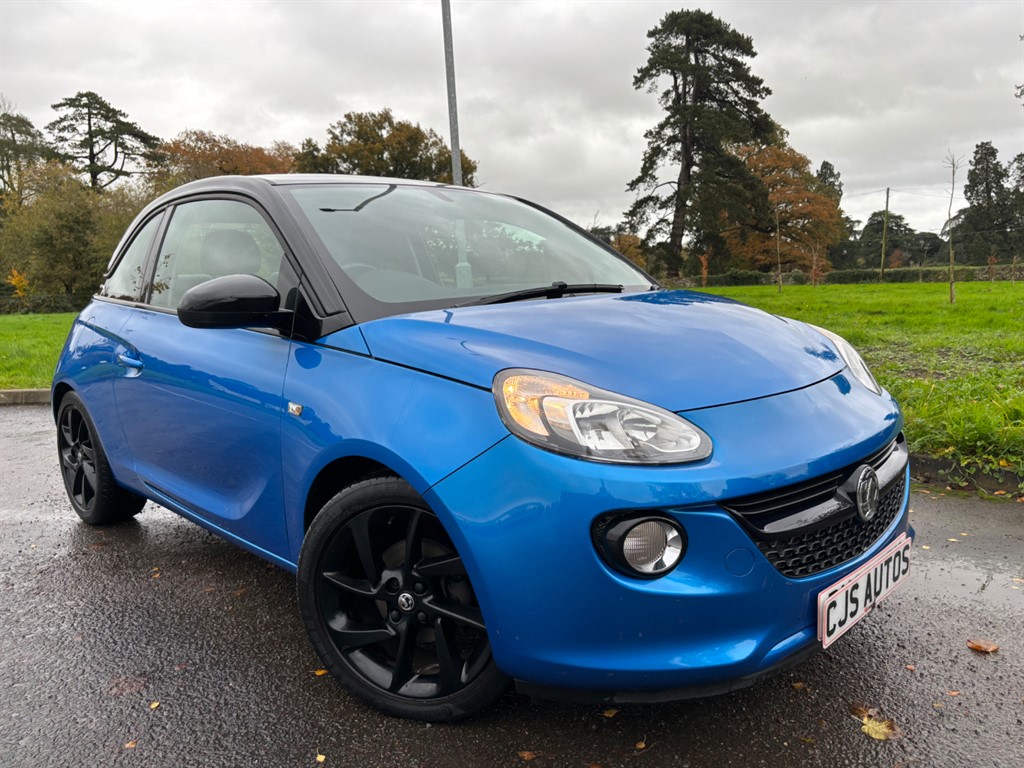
(849, 600)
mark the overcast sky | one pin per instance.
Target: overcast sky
(546, 105)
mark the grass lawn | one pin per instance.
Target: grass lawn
(29, 348)
(957, 370)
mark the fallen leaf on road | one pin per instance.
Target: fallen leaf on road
(154, 704)
(982, 646)
(938, 705)
(879, 729)
(131, 744)
(798, 686)
(872, 724)
(320, 758)
(610, 713)
(925, 546)
(964, 534)
(641, 745)
(528, 756)
(952, 693)
(910, 667)
(999, 493)
(1019, 581)
(319, 672)
(952, 539)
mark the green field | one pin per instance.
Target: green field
(29, 348)
(957, 370)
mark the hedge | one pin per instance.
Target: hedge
(965, 274)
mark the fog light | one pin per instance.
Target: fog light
(651, 547)
(645, 547)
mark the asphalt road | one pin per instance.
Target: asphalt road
(156, 644)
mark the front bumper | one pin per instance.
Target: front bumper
(559, 617)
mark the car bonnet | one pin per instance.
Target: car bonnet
(675, 349)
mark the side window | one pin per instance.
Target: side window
(213, 238)
(126, 282)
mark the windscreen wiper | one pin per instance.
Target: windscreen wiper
(554, 291)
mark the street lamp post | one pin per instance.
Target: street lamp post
(453, 110)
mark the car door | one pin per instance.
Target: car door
(201, 408)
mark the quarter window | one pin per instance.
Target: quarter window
(126, 281)
(213, 238)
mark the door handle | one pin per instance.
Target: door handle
(123, 358)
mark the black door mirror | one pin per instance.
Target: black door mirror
(234, 301)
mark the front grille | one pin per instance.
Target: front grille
(809, 527)
(810, 553)
(766, 508)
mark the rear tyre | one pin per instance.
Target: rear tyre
(92, 490)
(389, 608)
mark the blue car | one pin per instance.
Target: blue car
(491, 449)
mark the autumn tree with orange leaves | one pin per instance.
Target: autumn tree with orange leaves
(193, 155)
(804, 219)
(631, 246)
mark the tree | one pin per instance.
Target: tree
(927, 248)
(899, 236)
(52, 239)
(630, 246)
(953, 163)
(712, 102)
(309, 158)
(21, 147)
(61, 239)
(805, 220)
(987, 221)
(98, 140)
(375, 144)
(828, 181)
(1015, 183)
(844, 254)
(196, 155)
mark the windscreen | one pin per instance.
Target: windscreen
(406, 244)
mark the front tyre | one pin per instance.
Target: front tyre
(92, 490)
(389, 607)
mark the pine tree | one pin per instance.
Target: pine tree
(698, 66)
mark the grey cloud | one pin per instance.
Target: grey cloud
(547, 107)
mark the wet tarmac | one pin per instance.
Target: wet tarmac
(154, 643)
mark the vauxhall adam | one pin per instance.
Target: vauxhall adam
(491, 449)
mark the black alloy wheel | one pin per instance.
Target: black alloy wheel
(90, 484)
(389, 606)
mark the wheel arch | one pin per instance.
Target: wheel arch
(59, 390)
(336, 476)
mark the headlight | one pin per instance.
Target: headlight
(568, 416)
(853, 360)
